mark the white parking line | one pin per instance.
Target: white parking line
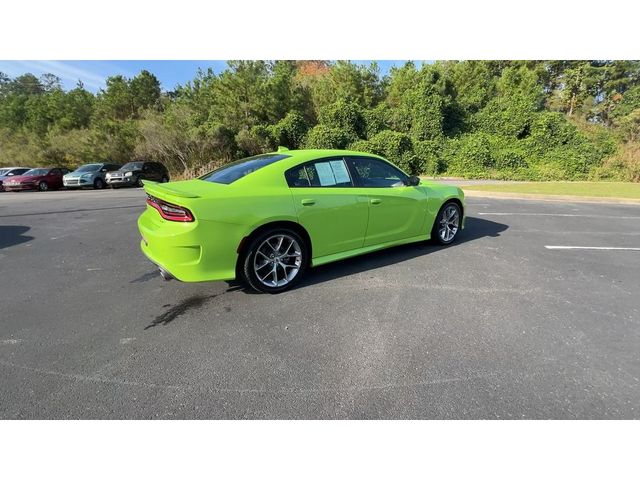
(528, 214)
(570, 247)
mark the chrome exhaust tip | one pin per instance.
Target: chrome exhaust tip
(166, 276)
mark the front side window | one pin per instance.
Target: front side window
(371, 172)
(235, 170)
(321, 173)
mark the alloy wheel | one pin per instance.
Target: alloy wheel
(449, 223)
(277, 260)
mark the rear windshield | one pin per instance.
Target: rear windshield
(240, 168)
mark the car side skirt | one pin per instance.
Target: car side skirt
(369, 248)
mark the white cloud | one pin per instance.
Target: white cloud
(69, 73)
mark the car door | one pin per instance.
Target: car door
(54, 178)
(157, 172)
(147, 171)
(328, 206)
(397, 211)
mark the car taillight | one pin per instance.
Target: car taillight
(169, 211)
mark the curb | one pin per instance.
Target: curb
(550, 198)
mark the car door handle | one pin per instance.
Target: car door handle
(307, 202)
(376, 201)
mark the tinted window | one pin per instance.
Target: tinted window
(321, 173)
(240, 168)
(371, 172)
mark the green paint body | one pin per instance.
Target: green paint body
(342, 221)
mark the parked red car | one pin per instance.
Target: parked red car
(36, 179)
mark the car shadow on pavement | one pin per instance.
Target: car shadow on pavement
(475, 228)
(13, 235)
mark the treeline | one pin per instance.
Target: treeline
(538, 120)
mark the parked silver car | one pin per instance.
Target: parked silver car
(131, 174)
(89, 175)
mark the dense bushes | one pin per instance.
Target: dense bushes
(533, 120)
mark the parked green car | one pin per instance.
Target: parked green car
(267, 218)
(89, 175)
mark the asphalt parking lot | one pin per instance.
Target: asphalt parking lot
(494, 326)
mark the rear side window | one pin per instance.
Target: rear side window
(241, 168)
(321, 173)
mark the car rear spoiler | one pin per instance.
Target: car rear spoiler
(155, 188)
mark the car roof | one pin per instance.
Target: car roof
(273, 174)
(296, 156)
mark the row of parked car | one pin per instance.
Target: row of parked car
(91, 175)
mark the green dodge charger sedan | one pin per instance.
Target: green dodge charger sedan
(266, 219)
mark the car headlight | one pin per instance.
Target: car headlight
(128, 174)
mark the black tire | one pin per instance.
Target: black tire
(43, 186)
(164, 179)
(440, 235)
(98, 184)
(138, 182)
(248, 260)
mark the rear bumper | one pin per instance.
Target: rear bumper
(199, 251)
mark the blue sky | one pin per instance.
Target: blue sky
(94, 72)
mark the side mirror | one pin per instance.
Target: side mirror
(103, 170)
(413, 181)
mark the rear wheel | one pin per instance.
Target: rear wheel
(43, 186)
(275, 260)
(447, 224)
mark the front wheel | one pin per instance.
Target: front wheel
(43, 186)
(275, 261)
(447, 224)
(98, 184)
